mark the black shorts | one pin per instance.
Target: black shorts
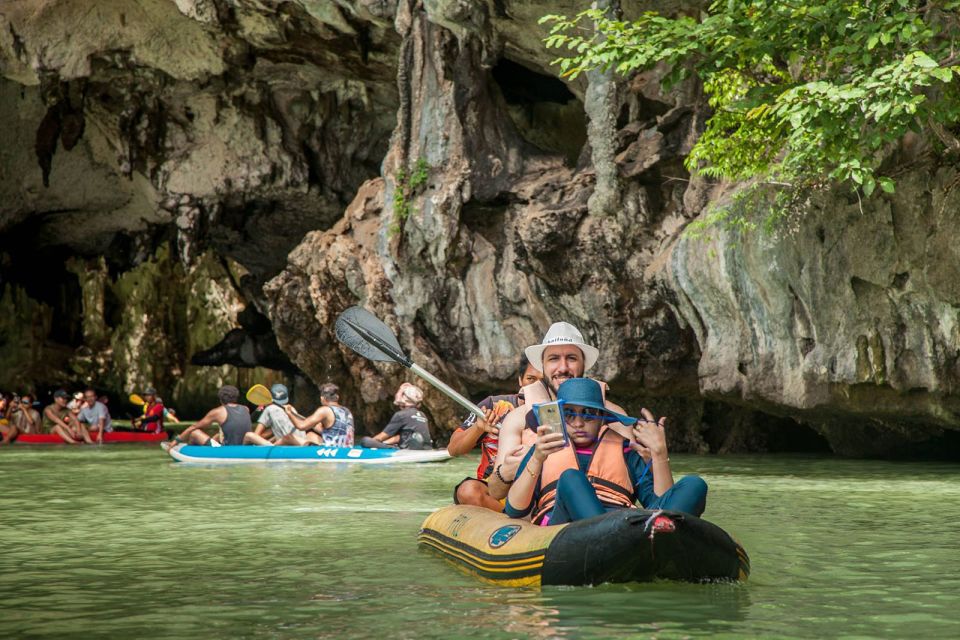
(457, 488)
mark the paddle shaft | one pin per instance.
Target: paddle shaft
(446, 390)
(401, 358)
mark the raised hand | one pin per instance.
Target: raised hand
(650, 435)
(548, 442)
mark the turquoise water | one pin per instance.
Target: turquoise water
(121, 542)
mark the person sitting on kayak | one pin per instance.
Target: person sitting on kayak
(561, 355)
(332, 420)
(233, 418)
(94, 413)
(57, 418)
(408, 428)
(591, 469)
(274, 418)
(23, 416)
(473, 491)
(152, 419)
(8, 429)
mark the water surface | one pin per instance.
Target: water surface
(119, 541)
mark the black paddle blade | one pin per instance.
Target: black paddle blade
(363, 332)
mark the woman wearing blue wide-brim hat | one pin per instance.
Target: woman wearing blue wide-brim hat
(585, 466)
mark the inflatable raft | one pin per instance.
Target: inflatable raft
(250, 453)
(112, 437)
(627, 545)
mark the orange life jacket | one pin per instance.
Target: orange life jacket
(607, 473)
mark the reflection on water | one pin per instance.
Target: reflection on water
(119, 541)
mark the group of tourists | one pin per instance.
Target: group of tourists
(593, 458)
(330, 425)
(78, 418)
(81, 417)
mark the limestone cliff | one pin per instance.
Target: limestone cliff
(422, 159)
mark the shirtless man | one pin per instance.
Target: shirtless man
(57, 418)
(333, 420)
(473, 491)
(233, 419)
(560, 356)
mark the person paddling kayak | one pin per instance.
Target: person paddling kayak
(473, 430)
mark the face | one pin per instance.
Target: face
(149, 397)
(562, 362)
(530, 375)
(583, 424)
(90, 398)
(60, 401)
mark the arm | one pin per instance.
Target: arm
(509, 452)
(54, 418)
(520, 497)
(306, 424)
(466, 437)
(213, 416)
(652, 444)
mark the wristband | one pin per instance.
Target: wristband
(502, 479)
(530, 471)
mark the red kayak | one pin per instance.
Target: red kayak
(111, 437)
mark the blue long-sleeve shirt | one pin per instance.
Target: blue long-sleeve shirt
(640, 476)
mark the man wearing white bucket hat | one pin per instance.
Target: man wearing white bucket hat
(561, 355)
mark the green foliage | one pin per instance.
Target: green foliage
(408, 182)
(802, 93)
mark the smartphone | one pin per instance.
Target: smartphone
(550, 414)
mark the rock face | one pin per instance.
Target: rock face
(421, 159)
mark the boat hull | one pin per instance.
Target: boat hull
(254, 454)
(627, 545)
(112, 437)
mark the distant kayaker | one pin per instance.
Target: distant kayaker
(591, 469)
(94, 414)
(233, 419)
(408, 428)
(332, 420)
(474, 491)
(8, 429)
(275, 419)
(152, 419)
(561, 355)
(57, 418)
(23, 416)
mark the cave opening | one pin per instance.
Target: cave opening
(730, 429)
(546, 113)
(41, 272)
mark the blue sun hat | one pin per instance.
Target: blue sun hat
(280, 394)
(585, 392)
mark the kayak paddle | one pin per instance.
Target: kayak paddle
(136, 399)
(365, 334)
(259, 395)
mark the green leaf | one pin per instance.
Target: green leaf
(887, 185)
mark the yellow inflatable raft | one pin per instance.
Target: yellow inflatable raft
(627, 545)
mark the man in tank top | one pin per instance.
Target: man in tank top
(331, 420)
(233, 418)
